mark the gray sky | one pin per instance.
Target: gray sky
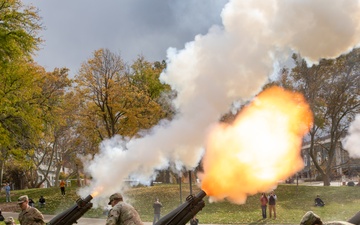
(75, 29)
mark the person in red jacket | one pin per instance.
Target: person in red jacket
(62, 187)
(263, 201)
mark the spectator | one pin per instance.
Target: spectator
(7, 191)
(263, 202)
(31, 202)
(62, 187)
(42, 201)
(272, 203)
(29, 215)
(157, 209)
(318, 201)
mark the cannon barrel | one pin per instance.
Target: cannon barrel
(72, 214)
(182, 214)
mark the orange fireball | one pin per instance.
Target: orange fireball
(261, 147)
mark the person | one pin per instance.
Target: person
(121, 212)
(62, 187)
(1, 216)
(263, 202)
(7, 191)
(31, 202)
(310, 218)
(194, 221)
(157, 209)
(29, 215)
(10, 221)
(318, 201)
(272, 203)
(42, 201)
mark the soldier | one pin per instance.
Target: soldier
(10, 221)
(29, 215)
(121, 212)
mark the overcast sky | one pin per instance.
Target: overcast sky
(74, 29)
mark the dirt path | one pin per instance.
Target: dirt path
(9, 207)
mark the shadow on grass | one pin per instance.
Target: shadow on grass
(260, 221)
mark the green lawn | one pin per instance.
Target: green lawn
(293, 202)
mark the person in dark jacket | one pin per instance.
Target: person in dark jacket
(42, 201)
(157, 209)
(318, 201)
(272, 204)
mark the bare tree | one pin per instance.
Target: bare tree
(332, 90)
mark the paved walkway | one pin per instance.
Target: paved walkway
(95, 221)
(81, 221)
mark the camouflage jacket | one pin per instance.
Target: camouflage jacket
(31, 216)
(310, 218)
(123, 214)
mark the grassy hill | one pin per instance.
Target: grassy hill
(293, 202)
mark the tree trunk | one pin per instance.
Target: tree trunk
(326, 179)
(2, 173)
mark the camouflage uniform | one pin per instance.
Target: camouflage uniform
(123, 214)
(31, 216)
(310, 218)
(10, 221)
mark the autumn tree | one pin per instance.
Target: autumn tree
(332, 90)
(19, 120)
(19, 27)
(146, 76)
(113, 103)
(53, 146)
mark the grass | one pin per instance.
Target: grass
(293, 202)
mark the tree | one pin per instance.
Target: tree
(20, 119)
(146, 76)
(332, 90)
(52, 147)
(19, 27)
(112, 103)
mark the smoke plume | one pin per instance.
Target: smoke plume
(352, 140)
(230, 63)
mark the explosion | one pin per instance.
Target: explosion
(231, 63)
(260, 148)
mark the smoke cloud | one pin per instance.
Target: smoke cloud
(230, 63)
(352, 140)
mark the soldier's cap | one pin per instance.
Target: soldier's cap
(22, 199)
(310, 218)
(9, 220)
(116, 196)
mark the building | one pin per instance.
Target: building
(342, 163)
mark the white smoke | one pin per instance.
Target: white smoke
(352, 140)
(230, 63)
